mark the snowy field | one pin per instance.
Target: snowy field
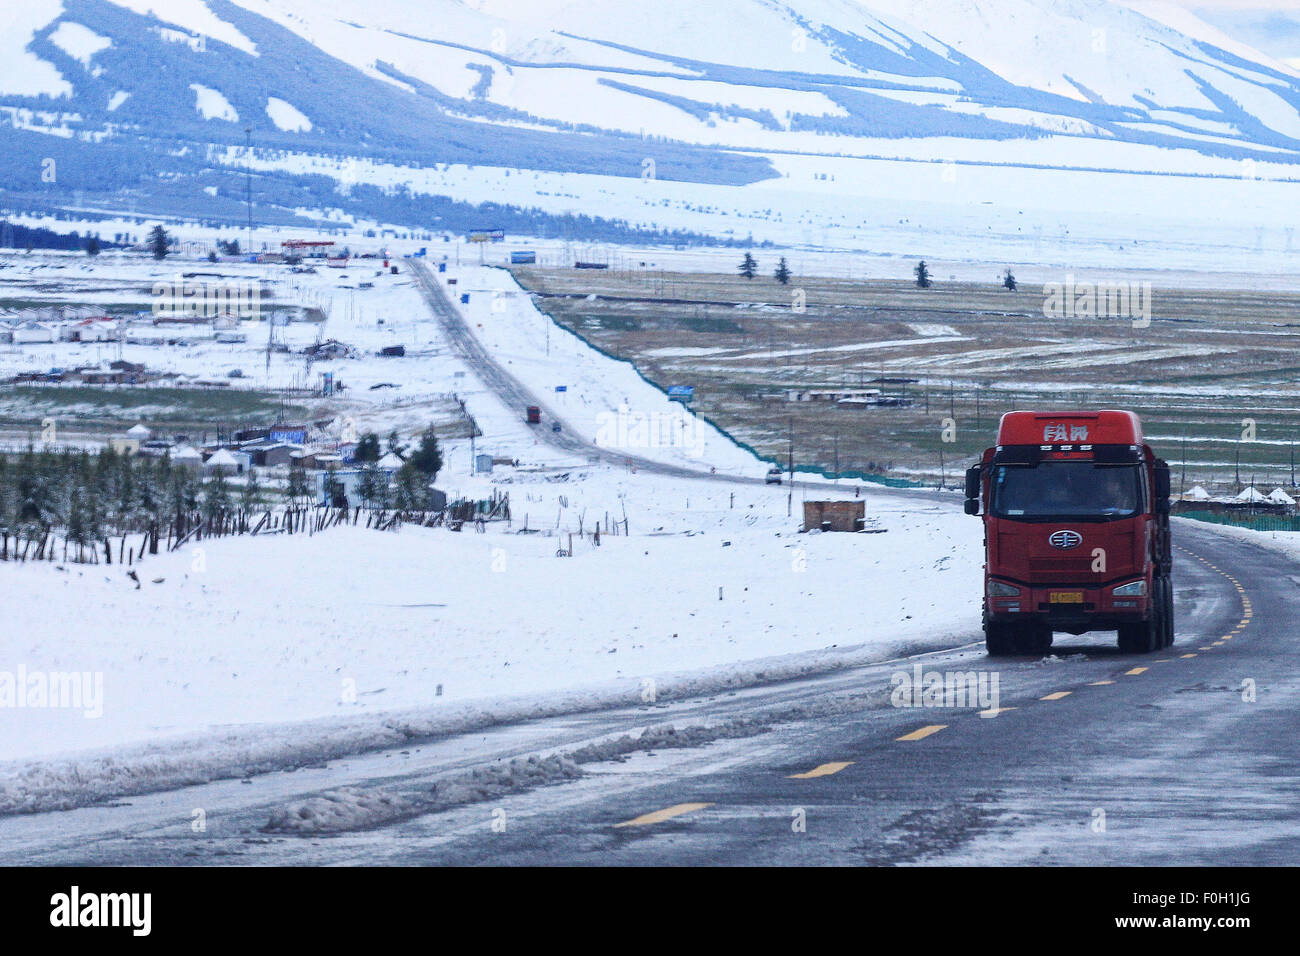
(350, 633)
(243, 631)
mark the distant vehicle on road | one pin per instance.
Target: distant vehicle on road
(533, 415)
(773, 476)
(555, 426)
(1076, 532)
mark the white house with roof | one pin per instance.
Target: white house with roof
(28, 333)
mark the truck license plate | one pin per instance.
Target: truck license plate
(1065, 597)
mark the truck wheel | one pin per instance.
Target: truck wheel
(1144, 636)
(1034, 640)
(999, 639)
(1169, 612)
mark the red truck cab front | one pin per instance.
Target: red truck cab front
(1076, 531)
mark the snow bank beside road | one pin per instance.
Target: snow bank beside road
(604, 399)
(274, 652)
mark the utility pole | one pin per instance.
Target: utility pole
(789, 498)
(248, 182)
(1183, 487)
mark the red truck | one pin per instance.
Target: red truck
(1076, 532)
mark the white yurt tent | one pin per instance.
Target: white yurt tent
(221, 462)
(187, 457)
(1279, 497)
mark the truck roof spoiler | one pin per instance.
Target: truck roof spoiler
(1017, 455)
(1101, 454)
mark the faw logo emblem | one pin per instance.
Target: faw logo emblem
(1060, 432)
(1065, 539)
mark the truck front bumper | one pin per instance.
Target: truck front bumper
(1069, 608)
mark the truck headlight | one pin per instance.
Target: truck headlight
(1135, 589)
(998, 589)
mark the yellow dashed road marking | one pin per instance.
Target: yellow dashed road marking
(994, 711)
(824, 770)
(1100, 683)
(1135, 671)
(661, 815)
(924, 732)
(1185, 656)
(1057, 696)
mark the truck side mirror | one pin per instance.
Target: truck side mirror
(972, 506)
(973, 482)
(1162, 481)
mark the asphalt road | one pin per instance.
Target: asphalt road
(1094, 757)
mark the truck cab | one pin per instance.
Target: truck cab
(1075, 508)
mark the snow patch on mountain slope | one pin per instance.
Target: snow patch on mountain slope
(194, 17)
(79, 42)
(286, 116)
(212, 105)
(23, 73)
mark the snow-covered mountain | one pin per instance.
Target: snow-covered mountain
(379, 109)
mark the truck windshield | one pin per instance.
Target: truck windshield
(1066, 489)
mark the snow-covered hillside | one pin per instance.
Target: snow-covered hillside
(726, 119)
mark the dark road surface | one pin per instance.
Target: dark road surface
(1094, 757)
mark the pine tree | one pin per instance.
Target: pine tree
(922, 275)
(427, 458)
(367, 449)
(296, 489)
(1009, 281)
(395, 444)
(782, 273)
(368, 484)
(159, 242)
(748, 266)
(412, 492)
(250, 495)
(92, 246)
(216, 497)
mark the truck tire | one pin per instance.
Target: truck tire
(999, 639)
(1035, 639)
(1169, 611)
(1146, 636)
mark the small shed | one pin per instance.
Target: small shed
(834, 515)
(140, 432)
(270, 456)
(389, 463)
